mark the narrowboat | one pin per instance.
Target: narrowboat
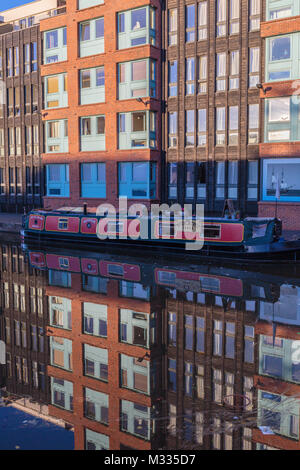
(230, 284)
(238, 240)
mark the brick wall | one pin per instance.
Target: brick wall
(112, 105)
(289, 213)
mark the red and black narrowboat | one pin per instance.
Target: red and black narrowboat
(227, 283)
(244, 240)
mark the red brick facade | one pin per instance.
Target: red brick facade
(111, 107)
(288, 212)
(112, 387)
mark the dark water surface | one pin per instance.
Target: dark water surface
(115, 351)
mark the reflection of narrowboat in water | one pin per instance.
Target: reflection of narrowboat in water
(227, 283)
(250, 239)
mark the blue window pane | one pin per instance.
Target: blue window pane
(284, 75)
(138, 41)
(65, 36)
(99, 28)
(138, 19)
(139, 172)
(280, 48)
(100, 77)
(51, 39)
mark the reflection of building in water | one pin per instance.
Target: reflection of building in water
(105, 347)
(151, 357)
(209, 371)
(278, 382)
(23, 325)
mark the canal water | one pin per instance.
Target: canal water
(114, 350)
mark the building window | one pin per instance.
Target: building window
(221, 71)
(172, 175)
(16, 61)
(281, 120)
(136, 27)
(172, 138)
(82, 4)
(57, 136)
(202, 20)
(190, 128)
(253, 126)
(280, 64)
(190, 76)
(9, 62)
(233, 125)
(55, 48)
(234, 20)
(172, 78)
(137, 130)
(234, 70)
(189, 180)
(277, 9)
(172, 380)
(217, 386)
(137, 180)
(254, 66)
(282, 172)
(230, 344)
(249, 344)
(233, 179)
(202, 76)
(92, 136)
(218, 338)
(252, 181)
(254, 15)
(96, 362)
(93, 180)
(137, 79)
(190, 18)
(57, 177)
(220, 180)
(221, 18)
(56, 91)
(26, 54)
(202, 127)
(172, 27)
(91, 37)
(201, 180)
(220, 125)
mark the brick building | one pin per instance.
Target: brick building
(177, 360)
(279, 149)
(102, 134)
(105, 360)
(21, 131)
(24, 320)
(277, 383)
(211, 125)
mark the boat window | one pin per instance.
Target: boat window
(165, 276)
(63, 224)
(259, 230)
(166, 229)
(63, 262)
(115, 270)
(212, 231)
(210, 284)
(115, 227)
